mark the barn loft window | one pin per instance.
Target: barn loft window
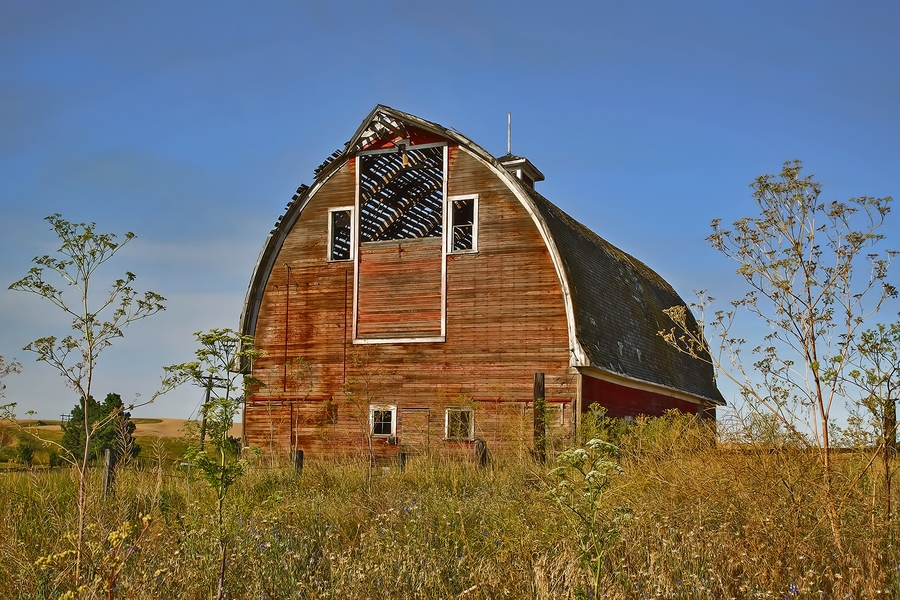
(464, 223)
(383, 420)
(460, 424)
(340, 246)
(401, 193)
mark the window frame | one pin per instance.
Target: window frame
(470, 436)
(392, 408)
(449, 225)
(331, 211)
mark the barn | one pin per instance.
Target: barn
(407, 300)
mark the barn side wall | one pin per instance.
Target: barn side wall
(621, 401)
(505, 320)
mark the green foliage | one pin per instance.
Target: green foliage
(596, 425)
(25, 451)
(110, 425)
(222, 359)
(876, 372)
(579, 484)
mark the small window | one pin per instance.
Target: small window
(463, 224)
(340, 246)
(383, 420)
(460, 424)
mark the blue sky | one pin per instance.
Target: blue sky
(191, 124)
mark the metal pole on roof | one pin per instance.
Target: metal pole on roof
(509, 133)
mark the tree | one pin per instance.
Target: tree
(96, 324)
(222, 359)
(813, 281)
(108, 422)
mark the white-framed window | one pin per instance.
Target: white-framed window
(463, 225)
(340, 233)
(383, 420)
(459, 424)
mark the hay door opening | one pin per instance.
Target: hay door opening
(415, 431)
(400, 270)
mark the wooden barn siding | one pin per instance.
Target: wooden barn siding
(505, 321)
(621, 401)
(400, 289)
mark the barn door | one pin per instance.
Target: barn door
(415, 430)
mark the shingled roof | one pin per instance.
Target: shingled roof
(619, 303)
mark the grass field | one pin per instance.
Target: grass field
(684, 519)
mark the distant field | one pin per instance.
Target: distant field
(145, 427)
(164, 437)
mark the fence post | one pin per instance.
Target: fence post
(481, 453)
(297, 460)
(108, 473)
(540, 404)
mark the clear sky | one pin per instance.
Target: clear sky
(191, 124)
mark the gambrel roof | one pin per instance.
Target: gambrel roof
(614, 302)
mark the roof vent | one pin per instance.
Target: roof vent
(522, 168)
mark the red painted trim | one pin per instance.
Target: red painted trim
(521, 400)
(262, 400)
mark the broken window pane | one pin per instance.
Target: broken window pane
(460, 424)
(463, 224)
(401, 194)
(340, 235)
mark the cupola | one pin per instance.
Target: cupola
(522, 168)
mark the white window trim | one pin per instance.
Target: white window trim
(393, 409)
(471, 433)
(352, 212)
(448, 226)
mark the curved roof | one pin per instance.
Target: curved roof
(614, 302)
(618, 306)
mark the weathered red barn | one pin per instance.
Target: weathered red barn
(405, 300)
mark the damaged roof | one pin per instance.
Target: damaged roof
(618, 304)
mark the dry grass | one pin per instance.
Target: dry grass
(691, 521)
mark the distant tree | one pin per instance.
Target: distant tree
(25, 451)
(108, 421)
